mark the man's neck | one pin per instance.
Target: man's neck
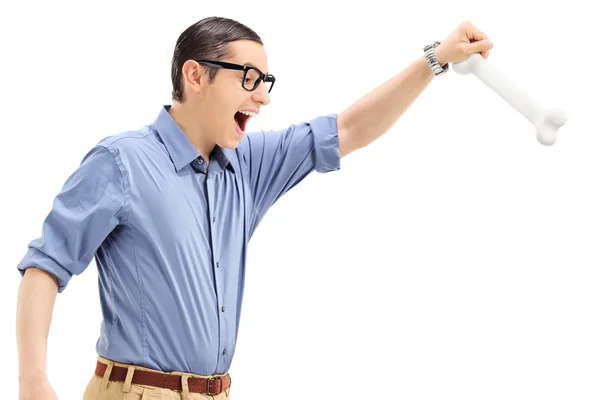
(186, 117)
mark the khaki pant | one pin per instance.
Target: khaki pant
(102, 389)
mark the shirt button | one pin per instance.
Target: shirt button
(223, 309)
(225, 352)
(200, 161)
(217, 265)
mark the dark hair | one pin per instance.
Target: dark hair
(207, 39)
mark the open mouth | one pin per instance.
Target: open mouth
(241, 119)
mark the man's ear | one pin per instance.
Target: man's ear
(195, 76)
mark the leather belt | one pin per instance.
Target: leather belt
(211, 386)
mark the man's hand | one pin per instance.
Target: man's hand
(461, 43)
(36, 389)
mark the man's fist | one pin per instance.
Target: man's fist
(461, 43)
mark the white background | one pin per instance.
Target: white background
(456, 257)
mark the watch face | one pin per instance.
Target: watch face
(431, 46)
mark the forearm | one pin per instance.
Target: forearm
(35, 304)
(376, 112)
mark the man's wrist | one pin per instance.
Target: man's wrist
(34, 376)
(439, 55)
(431, 55)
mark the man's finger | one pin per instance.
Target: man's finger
(473, 33)
(481, 46)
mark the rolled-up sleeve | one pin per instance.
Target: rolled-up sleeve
(89, 206)
(279, 160)
(327, 145)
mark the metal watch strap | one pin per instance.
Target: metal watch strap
(432, 59)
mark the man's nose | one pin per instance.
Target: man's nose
(261, 94)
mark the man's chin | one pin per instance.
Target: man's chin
(231, 144)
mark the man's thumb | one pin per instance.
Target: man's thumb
(481, 46)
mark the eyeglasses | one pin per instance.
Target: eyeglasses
(252, 75)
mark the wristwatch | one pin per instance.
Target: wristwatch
(432, 59)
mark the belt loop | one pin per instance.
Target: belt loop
(185, 392)
(229, 388)
(127, 385)
(105, 381)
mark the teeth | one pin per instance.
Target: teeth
(249, 113)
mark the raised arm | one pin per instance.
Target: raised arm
(376, 112)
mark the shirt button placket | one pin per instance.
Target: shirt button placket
(218, 282)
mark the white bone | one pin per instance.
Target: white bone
(546, 121)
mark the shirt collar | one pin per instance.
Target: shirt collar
(181, 151)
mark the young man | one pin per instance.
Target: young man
(167, 212)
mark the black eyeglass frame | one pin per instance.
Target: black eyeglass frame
(267, 78)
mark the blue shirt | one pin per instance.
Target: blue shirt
(170, 235)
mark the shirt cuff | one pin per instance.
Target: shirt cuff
(327, 145)
(35, 258)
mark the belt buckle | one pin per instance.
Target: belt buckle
(210, 380)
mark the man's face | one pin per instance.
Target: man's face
(226, 105)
